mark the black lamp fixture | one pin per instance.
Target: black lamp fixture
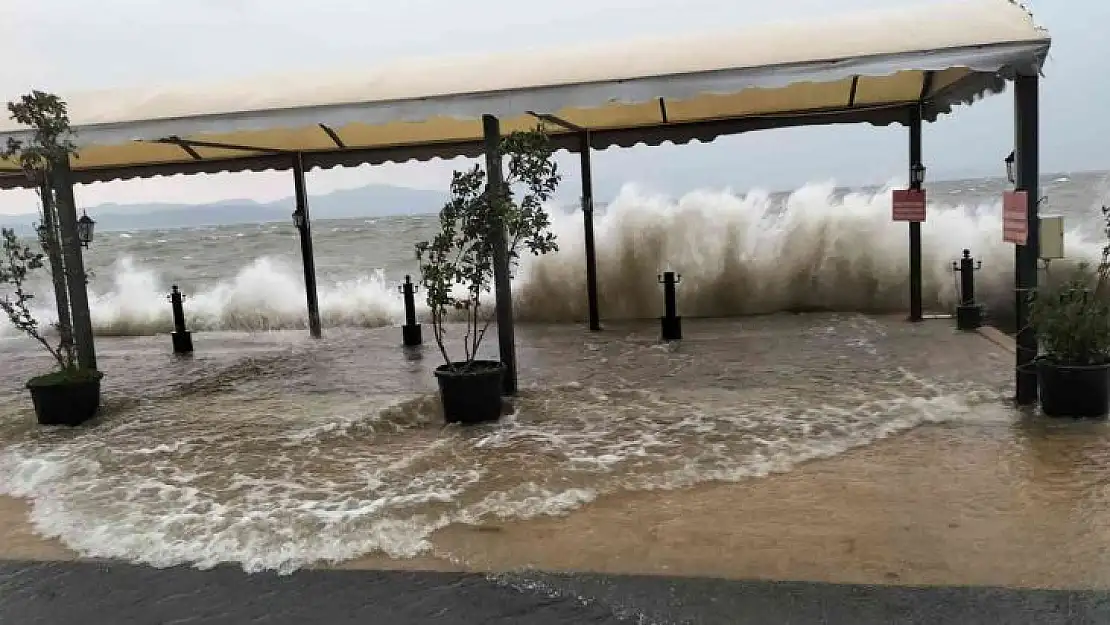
(1010, 168)
(298, 219)
(917, 175)
(85, 227)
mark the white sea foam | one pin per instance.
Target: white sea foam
(737, 254)
(290, 490)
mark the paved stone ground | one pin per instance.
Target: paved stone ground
(88, 593)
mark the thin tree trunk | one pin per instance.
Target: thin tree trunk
(57, 271)
(75, 265)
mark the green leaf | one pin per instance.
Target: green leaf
(461, 254)
(1070, 314)
(51, 141)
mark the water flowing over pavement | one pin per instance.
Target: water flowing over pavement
(859, 454)
(853, 452)
(278, 452)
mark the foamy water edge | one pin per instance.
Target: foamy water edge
(738, 254)
(265, 534)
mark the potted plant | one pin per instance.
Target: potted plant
(1072, 322)
(457, 270)
(70, 395)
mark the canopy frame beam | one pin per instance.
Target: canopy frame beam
(334, 136)
(185, 147)
(587, 200)
(558, 121)
(192, 144)
(676, 132)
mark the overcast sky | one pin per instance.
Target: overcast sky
(78, 44)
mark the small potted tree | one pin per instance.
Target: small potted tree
(70, 395)
(1072, 322)
(456, 265)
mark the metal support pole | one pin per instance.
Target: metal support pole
(52, 240)
(411, 334)
(915, 226)
(501, 280)
(588, 230)
(1027, 163)
(182, 338)
(307, 258)
(670, 321)
(76, 279)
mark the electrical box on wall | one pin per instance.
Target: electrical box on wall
(1052, 237)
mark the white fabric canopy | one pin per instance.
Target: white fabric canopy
(863, 68)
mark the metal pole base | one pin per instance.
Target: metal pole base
(969, 317)
(182, 342)
(672, 328)
(411, 335)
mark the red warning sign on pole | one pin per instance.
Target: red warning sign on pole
(1015, 217)
(908, 205)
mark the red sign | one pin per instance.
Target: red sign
(1015, 220)
(908, 205)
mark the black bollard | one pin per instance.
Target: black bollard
(969, 315)
(671, 322)
(410, 332)
(182, 338)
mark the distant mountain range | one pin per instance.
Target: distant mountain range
(368, 201)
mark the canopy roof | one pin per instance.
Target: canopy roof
(863, 68)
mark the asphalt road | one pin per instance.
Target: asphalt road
(89, 593)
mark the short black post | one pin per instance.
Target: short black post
(671, 322)
(182, 338)
(969, 315)
(410, 332)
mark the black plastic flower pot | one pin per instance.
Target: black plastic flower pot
(1074, 391)
(470, 393)
(66, 398)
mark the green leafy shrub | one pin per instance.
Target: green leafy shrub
(1072, 316)
(462, 252)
